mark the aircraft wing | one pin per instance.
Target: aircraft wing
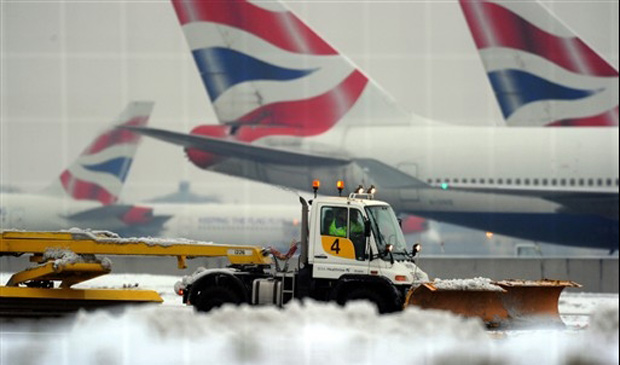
(239, 149)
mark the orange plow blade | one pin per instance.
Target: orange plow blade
(497, 303)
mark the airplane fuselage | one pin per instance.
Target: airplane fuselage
(265, 225)
(564, 181)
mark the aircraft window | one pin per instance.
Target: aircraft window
(580, 182)
(608, 182)
(508, 181)
(430, 181)
(571, 182)
(447, 180)
(482, 181)
(456, 181)
(544, 182)
(616, 181)
(438, 181)
(599, 182)
(562, 182)
(517, 181)
(554, 182)
(473, 181)
(591, 182)
(535, 182)
(464, 181)
(491, 181)
(500, 181)
(526, 181)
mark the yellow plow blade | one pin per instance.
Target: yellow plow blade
(503, 303)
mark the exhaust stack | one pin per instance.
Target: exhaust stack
(303, 257)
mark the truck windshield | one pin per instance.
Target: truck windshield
(386, 230)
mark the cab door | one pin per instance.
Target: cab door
(343, 246)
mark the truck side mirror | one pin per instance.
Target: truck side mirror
(388, 251)
(416, 248)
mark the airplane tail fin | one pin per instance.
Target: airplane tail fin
(262, 66)
(541, 72)
(99, 172)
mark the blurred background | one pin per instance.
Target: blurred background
(69, 67)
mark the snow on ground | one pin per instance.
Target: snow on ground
(302, 333)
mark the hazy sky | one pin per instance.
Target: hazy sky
(69, 67)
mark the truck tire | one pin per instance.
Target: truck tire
(371, 295)
(215, 296)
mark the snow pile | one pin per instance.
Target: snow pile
(90, 232)
(302, 333)
(62, 257)
(466, 284)
(307, 333)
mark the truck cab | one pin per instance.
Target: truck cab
(352, 248)
(371, 242)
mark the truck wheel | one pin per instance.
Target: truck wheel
(370, 295)
(216, 296)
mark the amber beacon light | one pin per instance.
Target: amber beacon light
(340, 186)
(316, 184)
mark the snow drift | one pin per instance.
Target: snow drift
(304, 333)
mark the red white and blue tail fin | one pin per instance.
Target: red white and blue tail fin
(100, 171)
(262, 66)
(541, 72)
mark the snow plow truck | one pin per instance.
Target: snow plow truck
(352, 248)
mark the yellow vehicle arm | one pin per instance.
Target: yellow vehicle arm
(102, 243)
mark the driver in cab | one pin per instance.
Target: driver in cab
(338, 227)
